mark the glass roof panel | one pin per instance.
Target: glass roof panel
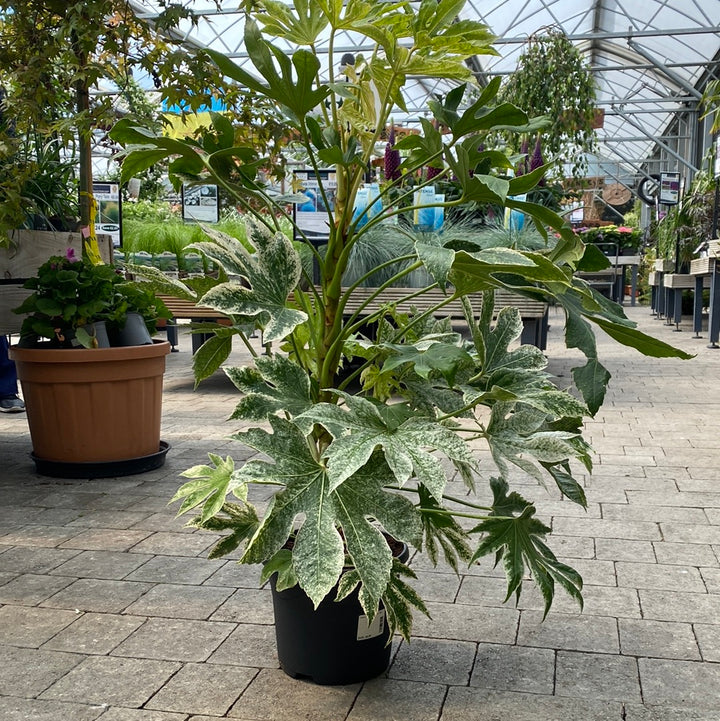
(647, 56)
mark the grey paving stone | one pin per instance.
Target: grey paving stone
(28, 672)
(56, 516)
(31, 588)
(248, 645)
(274, 696)
(39, 536)
(597, 676)
(565, 631)
(90, 594)
(133, 714)
(475, 704)
(176, 601)
(111, 565)
(237, 575)
(595, 572)
(660, 639)
(571, 547)
(690, 533)
(697, 500)
(113, 681)
(711, 579)
(482, 590)
(679, 606)
(462, 622)
(680, 683)
(514, 668)
(18, 515)
(656, 514)
(600, 528)
(708, 637)
(664, 577)
(25, 709)
(176, 544)
(94, 633)
(173, 639)
(108, 519)
(247, 605)
(203, 689)
(106, 540)
(403, 699)
(423, 659)
(22, 626)
(613, 549)
(23, 559)
(168, 569)
(685, 554)
(634, 712)
(437, 586)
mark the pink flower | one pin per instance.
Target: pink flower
(70, 255)
(624, 229)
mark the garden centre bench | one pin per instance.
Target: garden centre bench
(534, 314)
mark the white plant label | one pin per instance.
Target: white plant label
(367, 630)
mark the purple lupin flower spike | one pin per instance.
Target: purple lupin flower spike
(537, 159)
(392, 158)
(432, 172)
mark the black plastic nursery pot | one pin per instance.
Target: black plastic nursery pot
(333, 644)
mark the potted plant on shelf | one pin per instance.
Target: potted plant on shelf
(350, 457)
(93, 410)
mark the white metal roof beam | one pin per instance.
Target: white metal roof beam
(658, 142)
(662, 68)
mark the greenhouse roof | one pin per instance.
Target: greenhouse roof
(649, 58)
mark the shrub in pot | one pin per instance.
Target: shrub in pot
(93, 411)
(344, 464)
(72, 295)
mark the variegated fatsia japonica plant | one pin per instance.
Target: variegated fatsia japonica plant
(348, 453)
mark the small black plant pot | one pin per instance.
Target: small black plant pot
(331, 645)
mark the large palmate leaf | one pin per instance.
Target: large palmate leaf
(517, 434)
(517, 538)
(427, 356)
(308, 503)
(272, 273)
(277, 386)
(360, 428)
(210, 486)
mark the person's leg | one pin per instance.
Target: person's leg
(8, 376)
(9, 401)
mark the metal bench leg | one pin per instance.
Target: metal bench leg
(698, 305)
(714, 322)
(172, 335)
(677, 307)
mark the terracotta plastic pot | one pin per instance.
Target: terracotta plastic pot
(93, 406)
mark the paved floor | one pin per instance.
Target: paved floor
(110, 610)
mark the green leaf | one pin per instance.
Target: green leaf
(568, 486)
(272, 273)
(405, 447)
(209, 487)
(278, 385)
(426, 357)
(591, 380)
(318, 552)
(400, 599)
(280, 563)
(517, 537)
(210, 356)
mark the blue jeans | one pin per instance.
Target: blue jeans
(8, 376)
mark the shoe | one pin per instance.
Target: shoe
(12, 404)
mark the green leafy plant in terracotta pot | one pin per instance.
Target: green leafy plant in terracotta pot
(346, 458)
(93, 410)
(71, 296)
